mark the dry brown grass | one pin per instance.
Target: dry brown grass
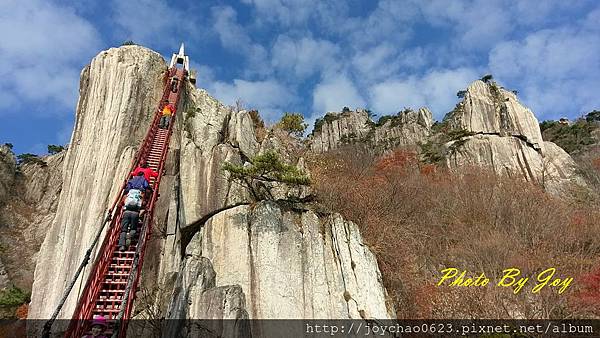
(420, 219)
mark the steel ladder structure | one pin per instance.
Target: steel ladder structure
(111, 286)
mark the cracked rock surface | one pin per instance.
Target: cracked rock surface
(118, 94)
(266, 262)
(507, 139)
(241, 261)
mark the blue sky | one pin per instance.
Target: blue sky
(303, 56)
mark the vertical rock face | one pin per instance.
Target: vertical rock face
(489, 109)
(211, 135)
(408, 128)
(118, 92)
(243, 262)
(27, 214)
(504, 135)
(294, 264)
(337, 127)
(8, 169)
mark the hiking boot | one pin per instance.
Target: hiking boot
(122, 248)
(128, 239)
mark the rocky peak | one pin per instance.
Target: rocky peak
(490, 109)
(119, 91)
(199, 212)
(334, 127)
(496, 131)
(407, 128)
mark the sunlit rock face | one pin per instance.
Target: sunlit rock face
(119, 91)
(505, 135)
(260, 258)
(183, 272)
(407, 128)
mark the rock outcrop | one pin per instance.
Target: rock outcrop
(27, 214)
(118, 94)
(489, 109)
(8, 169)
(408, 128)
(330, 265)
(337, 128)
(230, 247)
(502, 134)
(294, 264)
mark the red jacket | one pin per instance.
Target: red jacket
(148, 172)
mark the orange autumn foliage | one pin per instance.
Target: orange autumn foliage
(418, 218)
(22, 311)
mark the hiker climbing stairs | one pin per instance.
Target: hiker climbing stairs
(112, 283)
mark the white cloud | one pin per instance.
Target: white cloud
(334, 93)
(435, 90)
(556, 71)
(477, 24)
(41, 50)
(370, 64)
(269, 96)
(305, 56)
(389, 22)
(153, 23)
(235, 38)
(288, 13)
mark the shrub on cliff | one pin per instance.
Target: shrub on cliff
(13, 296)
(260, 129)
(328, 118)
(593, 116)
(293, 123)
(572, 138)
(487, 78)
(264, 170)
(30, 158)
(54, 149)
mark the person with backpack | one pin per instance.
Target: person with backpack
(138, 182)
(174, 81)
(129, 223)
(148, 172)
(167, 111)
(135, 190)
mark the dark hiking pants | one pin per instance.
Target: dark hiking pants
(128, 224)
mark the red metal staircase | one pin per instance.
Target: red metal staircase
(112, 283)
